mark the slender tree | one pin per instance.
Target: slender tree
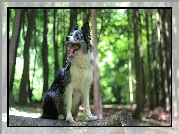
(35, 61)
(139, 92)
(55, 43)
(96, 88)
(12, 47)
(158, 17)
(73, 19)
(160, 41)
(17, 44)
(164, 47)
(169, 48)
(131, 96)
(152, 88)
(167, 35)
(154, 58)
(25, 74)
(143, 81)
(45, 53)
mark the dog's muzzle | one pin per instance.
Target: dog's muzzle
(73, 47)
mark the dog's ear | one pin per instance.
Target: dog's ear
(75, 27)
(86, 29)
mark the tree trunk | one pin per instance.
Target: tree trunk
(163, 61)
(17, 44)
(158, 17)
(139, 92)
(148, 51)
(56, 67)
(29, 91)
(164, 46)
(35, 59)
(155, 53)
(25, 74)
(169, 46)
(12, 49)
(45, 53)
(160, 41)
(149, 46)
(96, 89)
(143, 81)
(153, 66)
(131, 95)
(73, 19)
(167, 36)
(169, 49)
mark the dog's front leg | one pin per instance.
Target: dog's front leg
(87, 107)
(69, 92)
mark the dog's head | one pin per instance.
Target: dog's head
(79, 39)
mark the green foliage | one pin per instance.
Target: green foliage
(115, 40)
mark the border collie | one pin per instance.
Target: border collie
(72, 84)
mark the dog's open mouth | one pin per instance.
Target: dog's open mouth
(73, 48)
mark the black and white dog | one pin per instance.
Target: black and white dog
(72, 84)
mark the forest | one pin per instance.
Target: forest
(133, 56)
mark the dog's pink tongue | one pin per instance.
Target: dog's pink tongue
(70, 52)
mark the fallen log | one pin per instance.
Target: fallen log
(121, 118)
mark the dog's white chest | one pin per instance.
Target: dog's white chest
(81, 70)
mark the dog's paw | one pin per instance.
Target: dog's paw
(93, 118)
(60, 117)
(70, 119)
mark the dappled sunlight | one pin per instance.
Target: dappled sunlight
(14, 111)
(120, 106)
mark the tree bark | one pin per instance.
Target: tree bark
(96, 88)
(139, 92)
(152, 69)
(159, 38)
(35, 58)
(166, 58)
(163, 60)
(160, 41)
(131, 95)
(150, 73)
(25, 74)
(12, 49)
(169, 52)
(56, 67)
(167, 36)
(45, 53)
(143, 81)
(13, 70)
(73, 19)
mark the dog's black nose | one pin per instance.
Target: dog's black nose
(67, 38)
